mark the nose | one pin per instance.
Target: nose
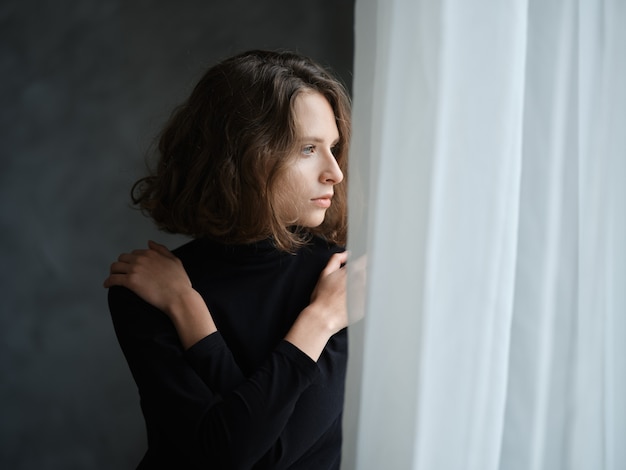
(331, 173)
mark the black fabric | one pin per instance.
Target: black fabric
(243, 397)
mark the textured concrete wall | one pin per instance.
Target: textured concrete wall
(85, 86)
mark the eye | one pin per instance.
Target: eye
(335, 150)
(308, 150)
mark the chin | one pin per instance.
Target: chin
(312, 219)
(312, 222)
(310, 225)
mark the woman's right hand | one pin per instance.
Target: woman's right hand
(159, 278)
(154, 274)
(326, 314)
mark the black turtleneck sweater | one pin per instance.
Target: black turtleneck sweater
(241, 398)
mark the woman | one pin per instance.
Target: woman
(237, 339)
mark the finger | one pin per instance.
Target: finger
(119, 268)
(161, 249)
(340, 260)
(139, 252)
(115, 280)
(127, 257)
(335, 262)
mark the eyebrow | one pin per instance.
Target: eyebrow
(318, 140)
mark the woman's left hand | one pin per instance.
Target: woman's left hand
(154, 274)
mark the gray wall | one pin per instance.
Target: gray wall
(85, 85)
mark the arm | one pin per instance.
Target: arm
(254, 414)
(233, 429)
(158, 277)
(327, 312)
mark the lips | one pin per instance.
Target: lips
(323, 201)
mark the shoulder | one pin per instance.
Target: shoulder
(122, 301)
(120, 298)
(320, 247)
(189, 249)
(197, 256)
(135, 321)
(314, 256)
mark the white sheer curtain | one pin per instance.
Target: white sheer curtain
(488, 193)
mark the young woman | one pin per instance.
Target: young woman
(237, 339)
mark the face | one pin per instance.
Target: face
(306, 188)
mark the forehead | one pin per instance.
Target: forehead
(314, 117)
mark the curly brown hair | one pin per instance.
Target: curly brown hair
(223, 150)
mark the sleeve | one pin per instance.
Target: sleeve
(211, 359)
(230, 429)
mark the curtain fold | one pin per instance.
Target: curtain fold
(540, 378)
(487, 192)
(600, 424)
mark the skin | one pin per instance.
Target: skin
(159, 278)
(309, 181)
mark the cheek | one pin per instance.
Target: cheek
(287, 197)
(294, 181)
